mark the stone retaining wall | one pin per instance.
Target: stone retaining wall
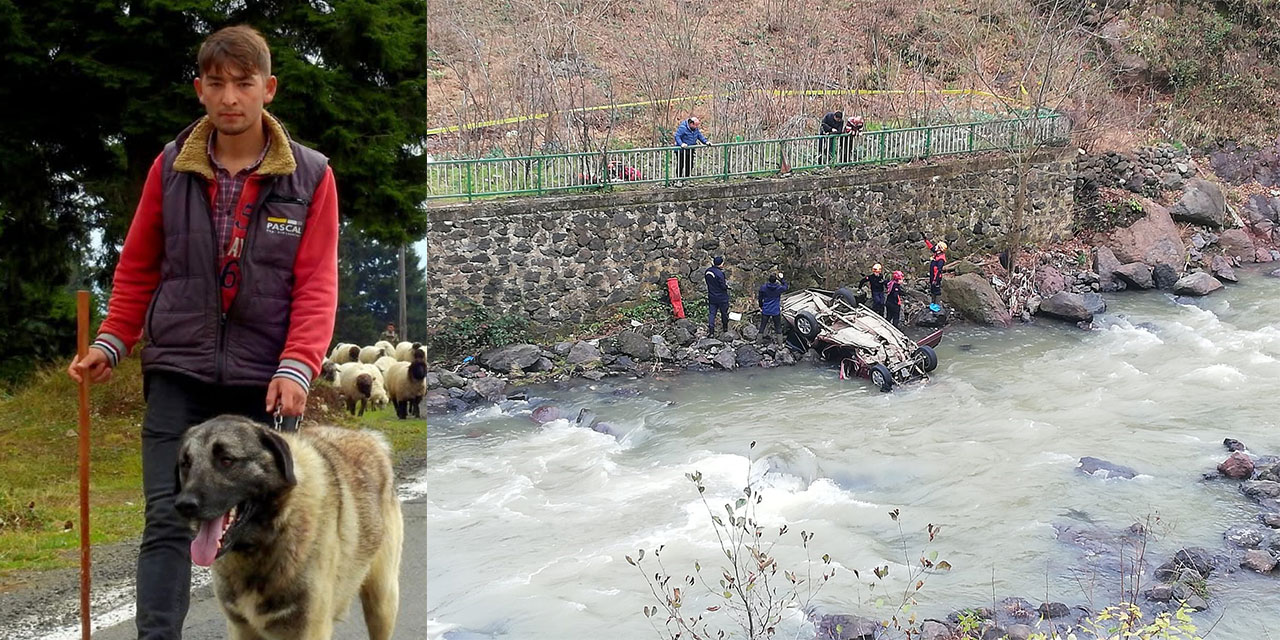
(571, 259)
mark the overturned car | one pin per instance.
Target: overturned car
(865, 344)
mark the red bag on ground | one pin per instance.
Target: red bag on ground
(673, 292)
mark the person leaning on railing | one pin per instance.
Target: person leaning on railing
(688, 135)
(832, 125)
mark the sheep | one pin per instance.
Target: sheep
(385, 346)
(369, 355)
(409, 351)
(345, 352)
(362, 382)
(406, 385)
(384, 363)
(329, 371)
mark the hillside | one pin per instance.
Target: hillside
(1129, 72)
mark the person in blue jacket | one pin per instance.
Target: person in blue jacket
(717, 297)
(770, 298)
(688, 135)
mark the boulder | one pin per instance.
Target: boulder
(725, 360)
(490, 388)
(1195, 603)
(785, 357)
(1263, 256)
(433, 380)
(1153, 239)
(1239, 466)
(1271, 520)
(1136, 274)
(1221, 269)
(1104, 264)
(961, 267)
(748, 355)
(1246, 536)
(451, 380)
(846, 627)
(662, 352)
(927, 317)
(437, 402)
(973, 297)
(1260, 489)
(1197, 559)
(1258, 560)
(562, 348)
(1233, 445)
(1048, 280)
(1164, 276)
(582, 353)
(1196, 284)
(934, 630)
(1093, 303)
(502, 359)
(1054, 610)
(1237, 243)
(1103, 469)
(1066, 306)
(707, 343)
(682, 334)
(1201, 203)
(1018, 632)
(636, 345)
(750, 332)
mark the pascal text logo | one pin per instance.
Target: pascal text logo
(284, 226)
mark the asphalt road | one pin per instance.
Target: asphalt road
(205, 621)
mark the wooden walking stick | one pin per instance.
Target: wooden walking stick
(82, 348)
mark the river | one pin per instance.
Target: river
(529, 526)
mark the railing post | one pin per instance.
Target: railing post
(470, 170)
(540, 161)
(882, 145)
(725, 177)
(971, 127)
(928, 141)
(666, 167)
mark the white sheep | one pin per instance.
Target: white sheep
(364, 383)
(369, 355)
(410, 351)
(329, 371)
(385, 346)
(345, 352)
(384, 363)
(406, 386)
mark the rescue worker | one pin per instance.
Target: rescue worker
(717, 296)
(770, 298)
(935, 268)
(876, 282)
(893, 298)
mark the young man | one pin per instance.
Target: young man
(230, 271)
(770, 298)
(717, 297)
(877, 288)
(687, 136)
(935, 268)
(390, 334)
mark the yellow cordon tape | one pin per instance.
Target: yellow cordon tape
(706, 96)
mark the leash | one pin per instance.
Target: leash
(285, 423)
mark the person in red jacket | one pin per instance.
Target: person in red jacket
(229, 270)
(935, 268)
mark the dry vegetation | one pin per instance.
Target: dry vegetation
(1127, 71)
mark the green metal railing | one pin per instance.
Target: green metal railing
(581, 172)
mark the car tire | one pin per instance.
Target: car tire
(807, 325)
(929, 356)
(843, 293)
(881, 377)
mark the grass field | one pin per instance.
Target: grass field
(39, 491)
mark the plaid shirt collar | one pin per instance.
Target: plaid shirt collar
(217, 166)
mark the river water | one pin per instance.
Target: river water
(529, 526)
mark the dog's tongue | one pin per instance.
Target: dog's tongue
(204, 549)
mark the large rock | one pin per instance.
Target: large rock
(1201, 203)
(1261, 489)
(1049, 280)
(1066, 306)
(1258, 560)
(437, 401)
(451, 380)
(513, 355)
(1164, 276)
(725, 360)
(1136, 274)
(1236, 243)
(1239, 466)
(582, 353)
(1104, 264)
(635, 344)
(1153, 239)
(846, 627)
(1221, 269)
(490, 388)
(1094, 303)
(1247, 536)
(1103, 469)
(1196, 284)
(976, 299)
(748, 355)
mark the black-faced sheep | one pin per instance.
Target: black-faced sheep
(345, 352)
(370, 355)
(361, 383)
(406, 386)
(410, 351)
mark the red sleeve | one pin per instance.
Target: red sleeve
(138, 270)
(315, 282)
(928, 245)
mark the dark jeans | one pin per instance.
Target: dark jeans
(684, 161)
(175, 403)
(777, 323)
(723, 308)
(877, 302)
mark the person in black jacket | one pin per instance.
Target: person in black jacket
(893, 298)
(832, 125)
(877, 288)
(935, 268)
(717, 296)
(770, 298)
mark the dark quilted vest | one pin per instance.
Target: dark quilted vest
(185, 328)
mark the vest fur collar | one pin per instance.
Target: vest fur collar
(193, 157)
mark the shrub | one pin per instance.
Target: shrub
(478, 330)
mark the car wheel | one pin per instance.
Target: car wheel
(807, 325)
(843, 293)
(928, 358)
(881, 377)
